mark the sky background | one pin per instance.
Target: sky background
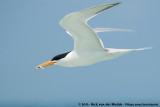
(30, 35)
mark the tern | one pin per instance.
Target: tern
(88, 47)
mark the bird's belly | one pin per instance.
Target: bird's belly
(84, 60)
(79, 62)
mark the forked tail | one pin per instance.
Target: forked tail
(112, 50)
(142, 48)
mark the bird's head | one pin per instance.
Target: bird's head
(53, 60)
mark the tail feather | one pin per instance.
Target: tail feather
(119, 52)
(142, 48)
(109, 29)
(112, 50)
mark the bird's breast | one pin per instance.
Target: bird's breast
(73, 59)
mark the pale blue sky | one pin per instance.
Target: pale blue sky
(30, 35)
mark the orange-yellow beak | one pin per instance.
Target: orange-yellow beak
(45, 64)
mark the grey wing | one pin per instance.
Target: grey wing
(85, 38)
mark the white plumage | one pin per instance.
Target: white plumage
(88, 48)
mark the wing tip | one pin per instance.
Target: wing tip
(117, 3)
(112, 4)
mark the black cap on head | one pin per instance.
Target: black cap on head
(60, 56)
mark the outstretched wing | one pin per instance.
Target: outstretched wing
(85, 38)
